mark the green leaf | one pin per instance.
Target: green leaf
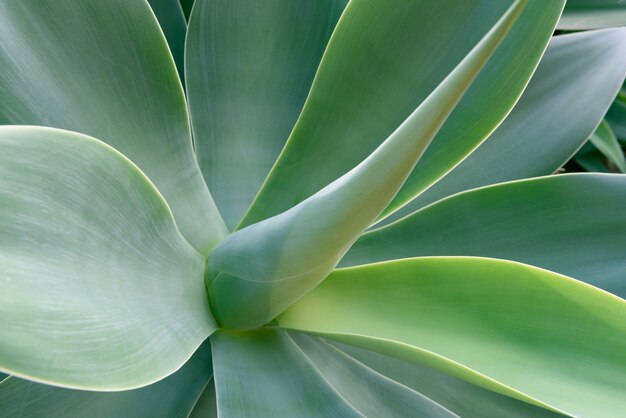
(172, 397)
(283, 375)
(593, 14)
(384, 60)
(172, 21)
(529, 333)
(462, 398)
(616, 117)
(549, 123)
(605, 141)
(265, 374)
(250, 65)
(590, 159)
(206, 407)
(371, 393)
(98, 288)
(571, 223)
(103, 68)
(257, 272)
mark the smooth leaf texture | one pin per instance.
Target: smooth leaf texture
(549, 123)
(590, 159)
(371, 393)
(593, 14)
(546, 336)
(206, 406)
(98, 288)
(571, 224)
(456, 395)
(295, 376)
(616, 117)
(172, 21)
(249, 68)
(605, 141)
(259, 271)
(383, 60)
(103, 68)
(172, 397)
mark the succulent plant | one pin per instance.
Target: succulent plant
(383, 236)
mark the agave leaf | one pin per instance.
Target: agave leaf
(549, 123)
(3, 377)
(605, 141)
(590, 159)
(103, 68)
(173, 396)
(462, 398)
(593, 14)
(206, 406)
(99, 289)
(172, 21)
(283, 375)
(530, 333)
(571, 224)
(260, 270)
(249, 68)
(381, 63)
(616, 117)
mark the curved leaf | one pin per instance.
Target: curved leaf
(462, 398)
(103, 68)
(265, 374)
(172, 21)
(616, 117)
(571, 223)
(259, 271)
(545, 336)
(605, 141)
(383, 60)
(549, 123)
(172, 397)
(249, 68)
(206, 406)
(593, 14)
(98, 289)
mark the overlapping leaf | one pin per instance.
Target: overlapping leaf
(99, 289)
(260, 270)
(593, 14)
(512, 328)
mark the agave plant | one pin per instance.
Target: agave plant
(383, 237)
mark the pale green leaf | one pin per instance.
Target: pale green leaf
(384, 59)
(462, 398)
(593, 14)
(574, 85)
(605, 141)
(206, 406)
(172, 397)
(522, 331)
(264, 374)
(257, 272)
(98, 289)
(103, 68)
(571, 223)
(170, 15)
(250, 65)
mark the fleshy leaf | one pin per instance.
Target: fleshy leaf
(605, 141)
(172, 397)
(383, 60)
(549, 123)
(593, 14)
(258, 271)
(530, 333)
(172, 21)
(249, 68)
(462, 398)
(103, 68)
(206, 407)
(571, 224)
(99, 290)
(300, 376)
